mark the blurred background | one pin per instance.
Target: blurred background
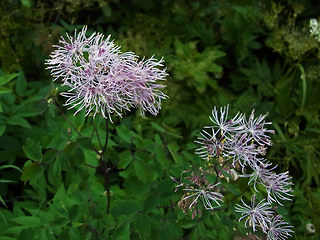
(248, 54)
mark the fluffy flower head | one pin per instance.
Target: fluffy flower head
(102, 79)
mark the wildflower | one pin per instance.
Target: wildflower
(315, 29)
(256, 215)
(255, 127)
(310, 228)
(206, 194)
(224, 125)
(279, 229)
(278, 187)
(197, 187)
(240, 149)
(102, 79)
(211, 145)
(260, 172)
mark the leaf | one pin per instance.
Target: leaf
(7, 78)
(10, 166)
(4, 90)
(2, 129)
(27, 221)
(125, 159)
(160, 155)
(173, 148)
(18, 120)
(2, 201)
(32, 171)
(110, 223)
(73, 212)
(126, 207)
(141, 170)
(21, 84)
(123, 232)
(26, 3)
(124, 133)
(142, 225)
(49, 155)
(32, 149)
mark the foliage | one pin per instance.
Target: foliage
(243, 53)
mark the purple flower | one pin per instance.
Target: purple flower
(240, 149)
(196, 187)
(103, 80)
(255, 127)
(206, 194)
(256, 215)
(224, 125)
(211, 145)
(278, 187)
(260, 172)
(279, 229)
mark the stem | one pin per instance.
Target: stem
(106, 181)
(107, 137)
(106, 169)
(304, 85)
(65, 117)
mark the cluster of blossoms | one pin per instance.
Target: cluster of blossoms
(315, 29)
(230, 146)
(103, 79)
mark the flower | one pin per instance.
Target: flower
(255, 214)
(279, 229)
(102, 79)
(255, 128)
(224, 125)
(315, 29)
(278, 187)
(310, 228)
(211, 145)
(260, 172)
(240, 149)
(197, 187)
(206, 194)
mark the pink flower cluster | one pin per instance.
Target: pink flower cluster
(230, 146)
(102, 79)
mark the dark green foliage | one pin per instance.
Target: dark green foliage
(243, 53)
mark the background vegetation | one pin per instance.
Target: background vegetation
(248, 54)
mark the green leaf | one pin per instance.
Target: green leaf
(173, 148)
(49, 155)
(109, 222)
(7, 78)
(160, 155)
(124, 133)
(27, 221)
(26, 3)
(21, 84)
(123, 232)
(32, 149)
(151, 202)
(18, 120)
(142, 225)
(2, 201)
(4, 90)
(10, 166)
(2, 129)
(73, 212)
(32, 172)
(141, 170)
(125, 159)
(126, 207)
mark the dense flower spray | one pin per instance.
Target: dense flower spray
(228, 147)
(103, 79)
